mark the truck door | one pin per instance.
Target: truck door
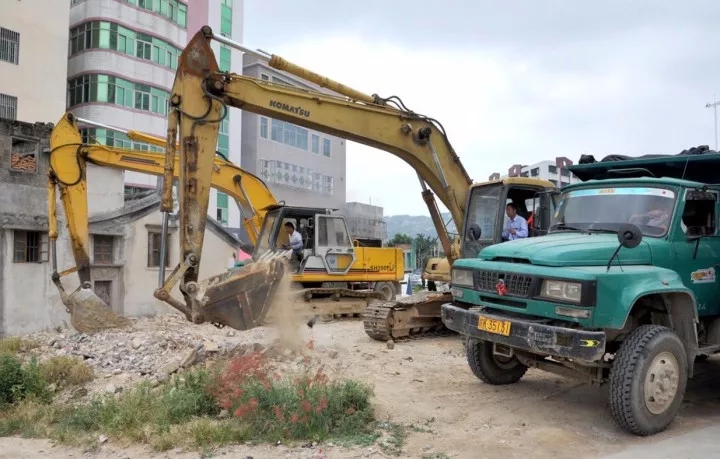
(696, 243)
(544, 205)
(333, 244)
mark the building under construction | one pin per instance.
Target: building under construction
(365, 221)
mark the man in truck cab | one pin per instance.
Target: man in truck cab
(516, 227)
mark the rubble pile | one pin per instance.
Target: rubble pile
(154, 348)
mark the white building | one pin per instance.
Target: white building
(33, 40)
(122, 60)
(545, 170)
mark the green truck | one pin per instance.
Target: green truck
(622, 290)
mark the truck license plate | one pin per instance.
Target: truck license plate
(499, 327)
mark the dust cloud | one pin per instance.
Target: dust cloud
(286, 318)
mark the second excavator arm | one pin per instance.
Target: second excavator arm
(69, 157)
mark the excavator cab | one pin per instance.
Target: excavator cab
(486, 218)
(327, 246)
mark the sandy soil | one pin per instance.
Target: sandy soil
(427, 383)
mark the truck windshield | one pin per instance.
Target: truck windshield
(606, 208)
(483, 210)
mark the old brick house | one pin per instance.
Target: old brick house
(123, 247)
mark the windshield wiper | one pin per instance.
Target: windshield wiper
(563, 226)
(601, 230)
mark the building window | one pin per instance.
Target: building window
(221, 201)
(103, 249)
(118, 91)
(535, 171)
(8, 107)
(315, 144)
(226, 18)
(263, 127)
(552, 169)
(24, 156)
(326, 147)
(109, 35)
(154, 239)
(115, 139)
(524, 174)
(264, 77)
(327, 185)
(174, 10)
(565, 172)
(30, 247)
(9, 46)
(225, 58)
(290, 134)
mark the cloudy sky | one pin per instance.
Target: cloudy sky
(518, 83)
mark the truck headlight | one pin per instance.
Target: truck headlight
(462, 278)
(562, 290)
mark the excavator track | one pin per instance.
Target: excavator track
(409, 318)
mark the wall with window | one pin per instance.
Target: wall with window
(33, 44)
(301, 166)
(143, 256)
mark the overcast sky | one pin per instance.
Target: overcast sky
(517, 81)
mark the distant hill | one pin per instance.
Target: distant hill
(414, 224)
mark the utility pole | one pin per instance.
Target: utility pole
(714, 105)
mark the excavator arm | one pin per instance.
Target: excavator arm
(68, 172)
(202, 92)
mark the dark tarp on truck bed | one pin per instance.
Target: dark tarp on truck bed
(698, 164)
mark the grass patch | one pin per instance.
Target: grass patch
(15, 345)
(66, 371)
(21, 381)
(394, 439)
(239, 401)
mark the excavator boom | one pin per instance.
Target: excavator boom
(418, 140)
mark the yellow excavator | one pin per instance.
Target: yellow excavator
(201, 95)
(68, 160)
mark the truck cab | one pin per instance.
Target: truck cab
(620, 291)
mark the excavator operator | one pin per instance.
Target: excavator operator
(295, 242)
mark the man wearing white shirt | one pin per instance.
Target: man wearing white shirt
(295, 241)
(516, 227)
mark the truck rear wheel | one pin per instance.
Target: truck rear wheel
(490, 368)
(648, 380)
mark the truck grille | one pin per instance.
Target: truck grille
(516, 284)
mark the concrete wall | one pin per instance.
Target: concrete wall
(43, 30)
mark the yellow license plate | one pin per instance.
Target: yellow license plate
(499, 327)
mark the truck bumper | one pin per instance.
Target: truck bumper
(528, 336)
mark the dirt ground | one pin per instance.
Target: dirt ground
(428, 383)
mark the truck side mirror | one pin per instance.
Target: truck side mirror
(473, 232)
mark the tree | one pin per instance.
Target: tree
(399, 239)
(424, 246)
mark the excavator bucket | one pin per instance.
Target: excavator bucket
(89, 314)
(241, 298)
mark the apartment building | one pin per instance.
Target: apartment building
(554, 171)
(122, 58)
(33, 39)
(301, 166)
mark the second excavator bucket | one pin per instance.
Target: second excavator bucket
(89, 314)
(241, 298)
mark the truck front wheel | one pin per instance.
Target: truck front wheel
(490, 368)
(648, 380)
